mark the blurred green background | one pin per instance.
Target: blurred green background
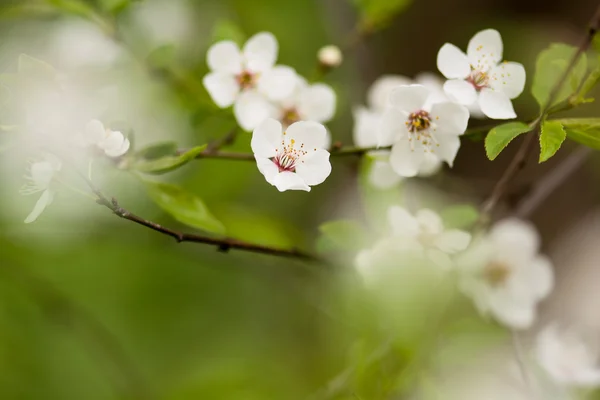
(94, 307)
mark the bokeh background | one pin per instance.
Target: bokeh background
(94, 307)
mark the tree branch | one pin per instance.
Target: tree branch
(520, 159)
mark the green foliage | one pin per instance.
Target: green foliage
(550, 66)
(585, 131)
(161, 57)
(459, 216)
(168, 162)
(115, 6)
(551, 138)
(341, 235)
(184, 207)
(377, 14)
(499, 137)
(228, 30)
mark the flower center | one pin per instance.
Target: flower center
(287, 157)
(290, 115)
(246, 79)
(496, 273)
(479, 79)
(419, 127)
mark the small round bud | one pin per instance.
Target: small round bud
(330, 56)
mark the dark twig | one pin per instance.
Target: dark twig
(520, 159)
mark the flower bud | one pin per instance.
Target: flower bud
(330, 56)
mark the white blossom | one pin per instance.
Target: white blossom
(40, 179)
(480, 76)
(421, 134)
(330, 56)
(248, 79)
(570, 356)
(422, 233)
(504, 274)
(113, 143)
(294, 158)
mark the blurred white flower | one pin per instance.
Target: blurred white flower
(40, 179)
(504, 274)
(330, 56)
(569, 356)
(422, 233)
(113, 143)
(292, 159)
(314, 102)
(421, 135)
(248, 79)
(480, 77)
(164, 21)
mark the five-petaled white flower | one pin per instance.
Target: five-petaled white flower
(480, 76)
(248, 79)
(570, 356)
(367, 123)
(113, 143)
(421, 134)
(291, 159)
(504, 274)
(40, 179)
(423, 232)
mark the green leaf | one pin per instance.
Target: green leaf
(115, 6)
(184, 207)
(377, 14)
(168, 163)
(583, 130)
(499, 137)
(158, 150)
(161, 57)
(33, 68)
(341, 235)
(459, 216)
(228, 30)
(551, 138)
(550, 66)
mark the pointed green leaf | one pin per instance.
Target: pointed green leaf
(550, 66)
(157, 150)
(161, 57)
(341, 235)
(459, 216)
(377, 14)
(551, 138)
(583, 130)
(499, 137)
(168, 163)
(184, 207)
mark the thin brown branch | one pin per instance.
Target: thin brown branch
(520, 159)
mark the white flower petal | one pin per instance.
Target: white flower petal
(430, 166)
(512, 311)
(267, 168)
(366, 127)
(405, 161)
(251, 109)
(317, 103)
(541, 276)
(402, 222)
(450, 118)
(440, 259)
(42, 173)
(453, 241)
(223, 88)
(120, 150)
(448, 148)
(44, 201)
(516, 238)
(378, 96)
(429, 221)
(290, 181)
(225, 57)
(307, 135)
(382, 176)
(409, 98)
(452, 62)
(314, 168)
(485, 49)
(266, 138)
(113, 142)
(460, 91)
(277, 83)
(508, 78)
(392, 127)
(260, 52)
(94, 132)
(496, 105)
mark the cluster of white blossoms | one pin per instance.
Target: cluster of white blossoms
(112, 143)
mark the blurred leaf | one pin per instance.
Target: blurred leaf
(551, 138)
(340, 235)
(499, 137)
(377, 14)
(33, 68)
(167, 163)
(74, 7)
(115, 6)
(161, 57)
(184, 207)
(157, 151)
(582, 130)
(590, 82)
(550, 66)
(460, 216)
(228, 30)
